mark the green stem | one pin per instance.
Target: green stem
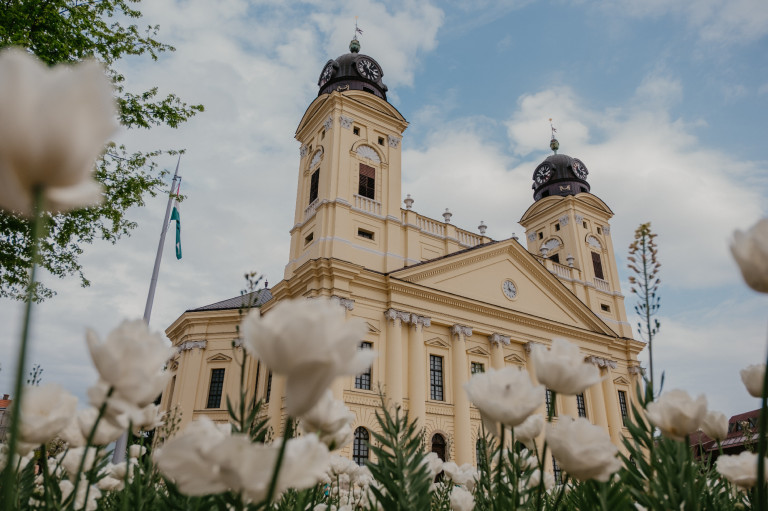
(8, 487)
(497, 491)
(561, 493)
(762, 498)
(88, 443)
(280, 455)
(648, 313)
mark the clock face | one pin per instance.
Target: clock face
(543, 173)
(580, 169)
(509, 288)
(368, 69)
(326, 75)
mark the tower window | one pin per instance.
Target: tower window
(557, 227)
(599, 230)
(367, 89)
(597, 265)
(309, 238)
(367, 185)
(363, 380)
(322, 134)
(541, 235)
(623, 407)
(581, 406)
(555, 258)
(605, 308)
(584, 223)
(215, 389)
(360, 446)
(314, 184)
(381, 140)
(436, 378)
(356, 131)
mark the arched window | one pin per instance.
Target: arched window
(438, 446)
(360, 446)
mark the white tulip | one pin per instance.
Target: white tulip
(582, 449)
(464, 475)
(461, 500)
(45, 411)
(740, 469)
(311, 343)
(752, 376)
(715, 425)
(562, 368)
(66, 487)
(331, 420)
(131, 360)
(504, 396)
(433, 463)
(105, 432)
(55, 123)
(529, 429)
(676, 414)
(71, 458)
(750, 250)
(136, 451)
(535, 480)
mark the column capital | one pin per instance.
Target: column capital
(421, 321)
(466, 331)
(394, 314)
(530, 345)
(499, 339)
(600, 362)
(636, 370)
(190, 345)
(347, 303)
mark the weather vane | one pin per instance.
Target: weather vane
(357, 29)
(553, 144)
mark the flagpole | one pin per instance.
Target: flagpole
(159, 256)
(118, 456)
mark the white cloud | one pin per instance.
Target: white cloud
(715, 21)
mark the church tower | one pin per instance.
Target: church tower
(349, 193)
(567, 227)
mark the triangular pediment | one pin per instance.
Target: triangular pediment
(372, 329)
(219, 357)
(477, 350)
(480, 274)
(514, 359)
(621, 381)
(437, 342)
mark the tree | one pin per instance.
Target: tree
(59, 31)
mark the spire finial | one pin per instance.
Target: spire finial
(354, 44)
(553, 144)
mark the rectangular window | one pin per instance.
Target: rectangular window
(309, 238)
(584, 223)
(356, 131)
(363, 380)
(314, 183)
(367, 186)
(436, 378)
(557, 227)
(365, 234)
(605, 308)
(381, 140)
(476, 367)
(557, 472)
(269, 387)
(623, 407)
(551, 405)
(555, 258)
(599, 230)
(581, 405)
(541, 235)
(597, 264)
(215, 389)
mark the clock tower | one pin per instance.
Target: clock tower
(349, 192)
(567, 228)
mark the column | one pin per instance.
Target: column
(569, 405)
(597, 399)
(417, 378)
(635, 380)
(394, 383)
(612, 407)
(462, 429)
(338, 385)
(498, 342)
(275, 409)
(191, 380)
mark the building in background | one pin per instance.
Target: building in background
(5, 416)
(742, 436)
(441, 302)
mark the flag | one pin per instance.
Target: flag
(175, 215)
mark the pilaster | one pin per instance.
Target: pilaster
(498, 341)
(462, 424)
(417, 380)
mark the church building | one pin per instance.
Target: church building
(441, 302)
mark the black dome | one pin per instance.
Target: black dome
(352, 71)
(559, 174)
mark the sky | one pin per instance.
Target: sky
(663, 101)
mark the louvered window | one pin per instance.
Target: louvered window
(367, 187)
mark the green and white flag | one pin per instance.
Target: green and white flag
(175, 215)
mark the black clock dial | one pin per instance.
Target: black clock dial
(580, 169)
(543, 173)
(326, 75)
(368, 69)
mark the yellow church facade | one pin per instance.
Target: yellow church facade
(441, 302)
